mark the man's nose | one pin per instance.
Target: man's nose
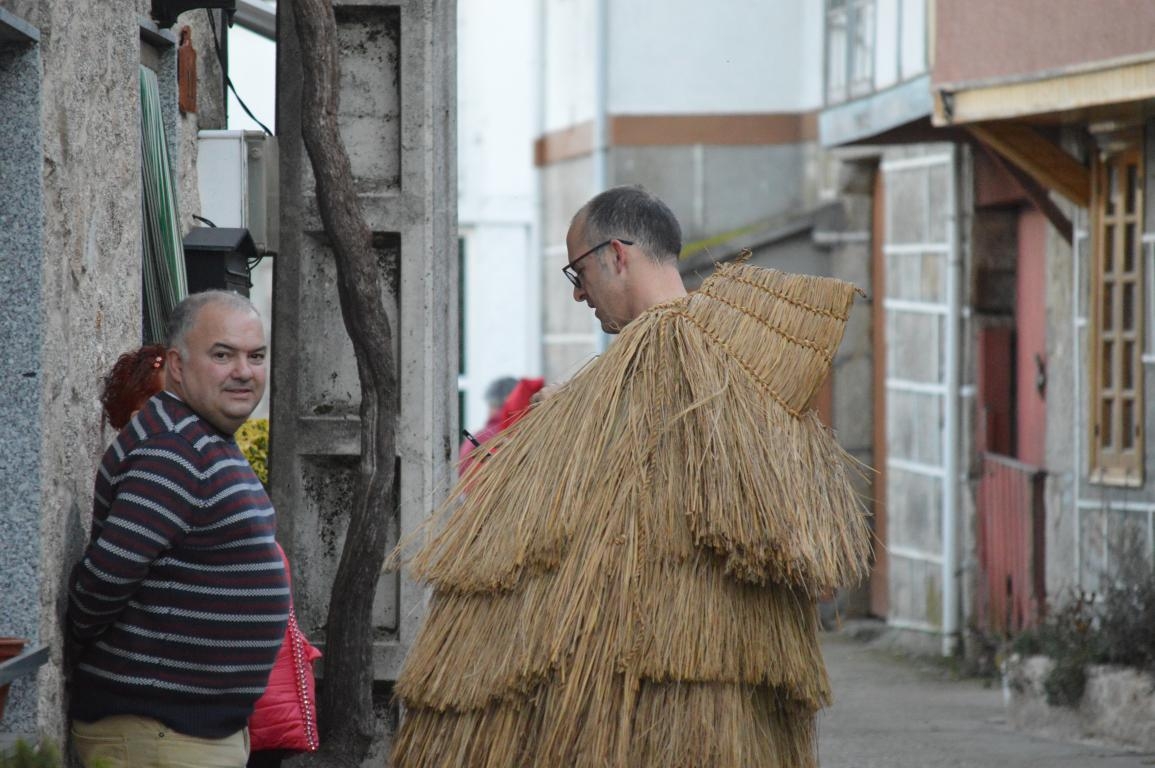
(579, 293)
(242, 368)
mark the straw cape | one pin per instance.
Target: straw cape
(631, 578)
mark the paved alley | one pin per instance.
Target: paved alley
(892, 712)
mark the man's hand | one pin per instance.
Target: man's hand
(70, 655)
(545, 392)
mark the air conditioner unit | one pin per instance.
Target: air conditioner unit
(238, 184)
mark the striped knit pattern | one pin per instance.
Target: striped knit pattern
(181, 599)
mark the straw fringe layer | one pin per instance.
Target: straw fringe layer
(666, 403)
(672, 725)
(691, 624)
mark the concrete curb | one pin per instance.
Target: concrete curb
(1117, 708)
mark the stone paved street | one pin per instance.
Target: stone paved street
(893, 712)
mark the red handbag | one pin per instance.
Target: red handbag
(285, 717)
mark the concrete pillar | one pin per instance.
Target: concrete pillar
(398, 74)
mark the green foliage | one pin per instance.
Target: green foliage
(253, 440)
(1070, 638)
(1127, 623)
(24, 755)
(1066, 682)
(1116, 627)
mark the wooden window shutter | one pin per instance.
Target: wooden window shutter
(1116, 323)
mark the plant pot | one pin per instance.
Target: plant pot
(10, 647)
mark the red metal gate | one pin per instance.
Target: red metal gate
(1012, 587)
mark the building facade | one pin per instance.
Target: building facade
(1068, 113)
(1011, 265)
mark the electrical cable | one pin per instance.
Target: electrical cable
(228, 80)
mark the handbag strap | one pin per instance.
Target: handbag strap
(301, 674)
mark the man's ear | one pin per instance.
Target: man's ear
(173, 366)
(621, 255)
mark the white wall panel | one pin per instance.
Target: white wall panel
(886, 30)
(570, 45)
(684, 57)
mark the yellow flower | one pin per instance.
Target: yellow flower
(253, 440)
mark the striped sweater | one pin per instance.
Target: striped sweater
(181, 599)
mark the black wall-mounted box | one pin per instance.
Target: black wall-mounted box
(218, 258)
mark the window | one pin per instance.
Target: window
(1116, 407)
(836, 50)
(849, 49)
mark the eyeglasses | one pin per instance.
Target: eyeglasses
(572, 274)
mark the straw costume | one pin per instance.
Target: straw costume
(632, 576)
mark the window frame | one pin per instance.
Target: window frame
(851, 75)
(1116, 374)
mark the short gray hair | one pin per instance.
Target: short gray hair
(632, 213)
(184, 314)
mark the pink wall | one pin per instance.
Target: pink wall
(1031, 332)
(987, 39)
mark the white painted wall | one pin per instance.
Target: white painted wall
(682, 57)
(809, 71)
(568, 31)
(673, 57)
(728, 56)
(498, 120)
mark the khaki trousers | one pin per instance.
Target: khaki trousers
(129, 741)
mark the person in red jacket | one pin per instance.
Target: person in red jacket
(516, 398)
(495, 395)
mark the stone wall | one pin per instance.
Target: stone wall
(81, 299)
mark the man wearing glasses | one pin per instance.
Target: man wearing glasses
(623, 248)
(630, 579)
